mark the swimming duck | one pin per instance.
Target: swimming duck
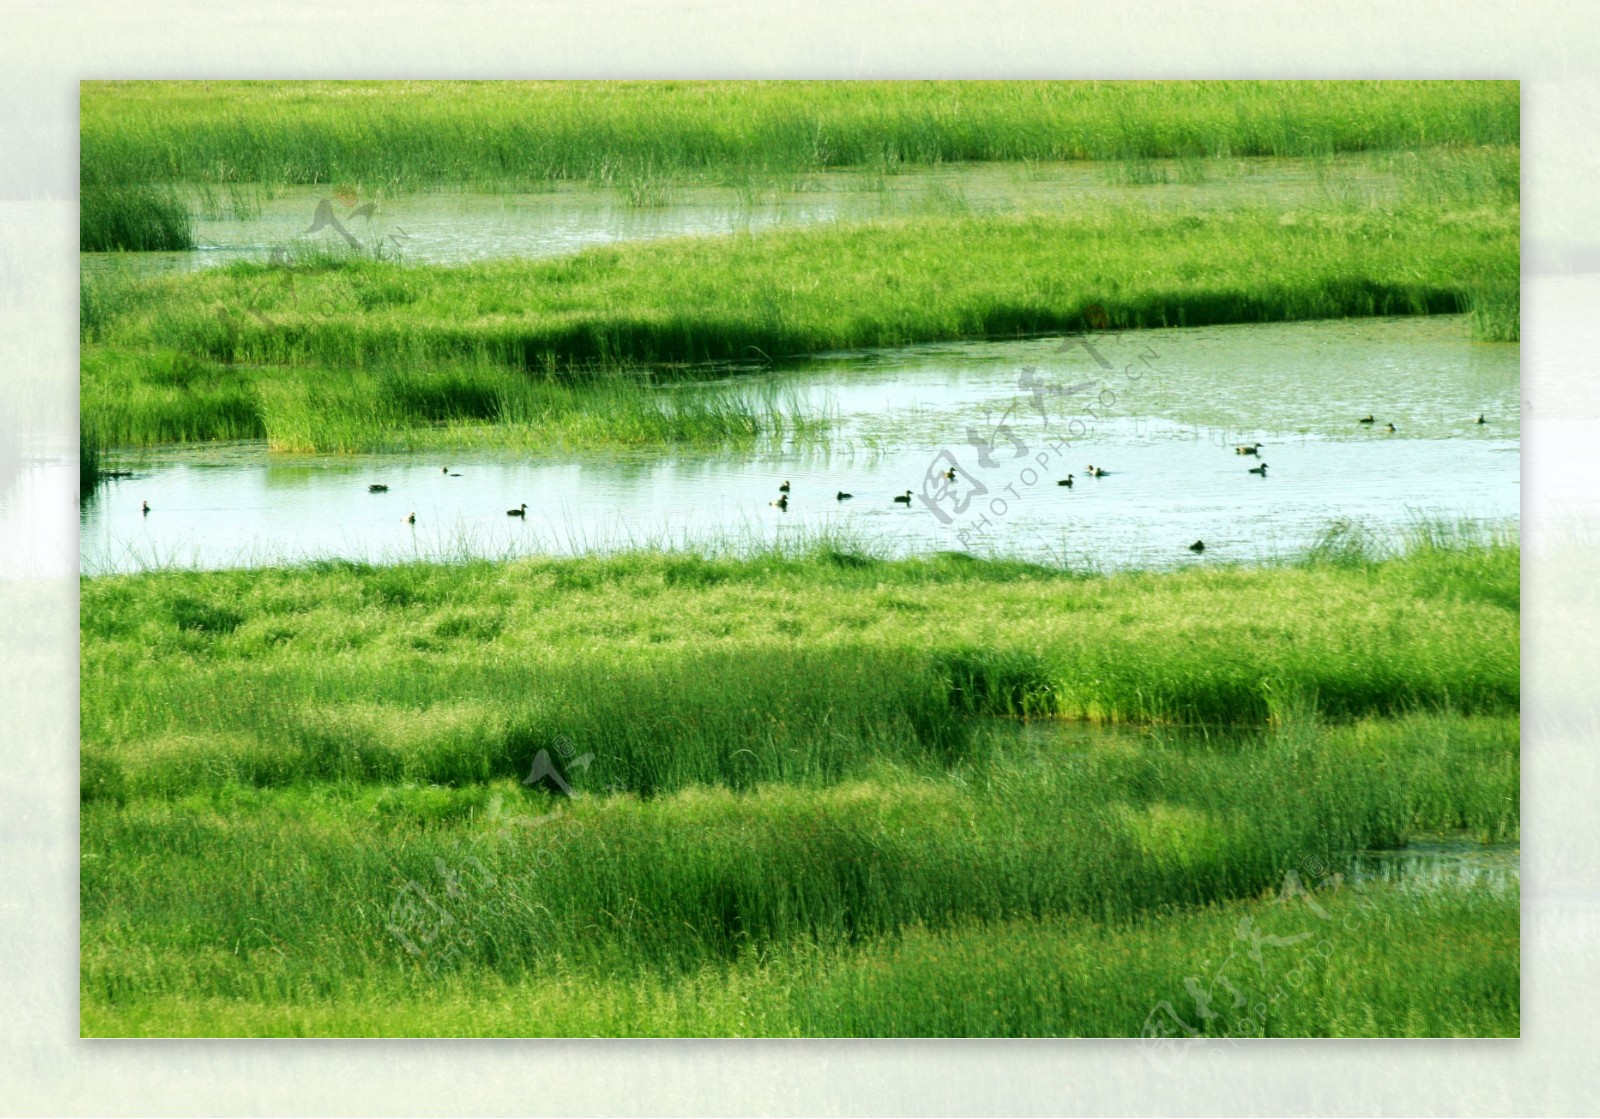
(1096, 472)
(1364, 420)
(951, 474)
(147, 508)
(1261, 470)
(1067, 481)
(906, 500)
(522, 511)
(1247, 449)
(785, 487)
(1389, 428)
(1480, 419)
(1197, 547)
(411, 519)
(377, 487)
(782, 503)
(444, 470)
(842, 496)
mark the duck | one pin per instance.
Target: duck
(785, 487)
(444, 470)
(842, 496)
(1389, 428)
(1364, 420)
(1096, 472)
(1480, 419)
(782, 503)
(521, 511)
(1261, 470)
(906, 500)
(411, 518)
(1067, 481)
(951, 474)
(1197, 547)
(377, 487)
(147, 508)
(1248, 449)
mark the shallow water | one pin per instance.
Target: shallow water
(456, 226)
(1440, 864)
(902, 417)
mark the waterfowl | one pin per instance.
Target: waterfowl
(377, 487)
(1067, 481)
(1247, 449)
(951, 474)
(1261, 470)
(444, 470)
(785, 487)
(411, 518)
(1198, 546)
(842, 496)
(1390, 429)
(521, 511)
(1096, 472)
(1364, 420)
(906, 500)
(147, 508)
(782, 503)
(1480, 419)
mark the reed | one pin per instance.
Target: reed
(358, 339)
(124, 217)
(515, 135)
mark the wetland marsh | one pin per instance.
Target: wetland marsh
(658, 757)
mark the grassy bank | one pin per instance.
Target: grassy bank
(1384, 963)
(356, 354)
(390, 136)
(281, 768)
(743, 671)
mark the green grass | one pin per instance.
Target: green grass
(129, 217)
(356, 354)
(145, 398)
(279, 765)
(740, 671)
(1384, 964)
(643, 136)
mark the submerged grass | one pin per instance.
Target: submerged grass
(143, 398)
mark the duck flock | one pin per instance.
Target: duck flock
(781, 502)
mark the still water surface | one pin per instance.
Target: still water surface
(1159, 410)
(457, 226)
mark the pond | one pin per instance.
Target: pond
(1160, 411)
(245, 223)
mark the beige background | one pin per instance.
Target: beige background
(45, 48)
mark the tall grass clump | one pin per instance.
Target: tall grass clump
(1495, 311)
(89, 455)
(119, 217)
